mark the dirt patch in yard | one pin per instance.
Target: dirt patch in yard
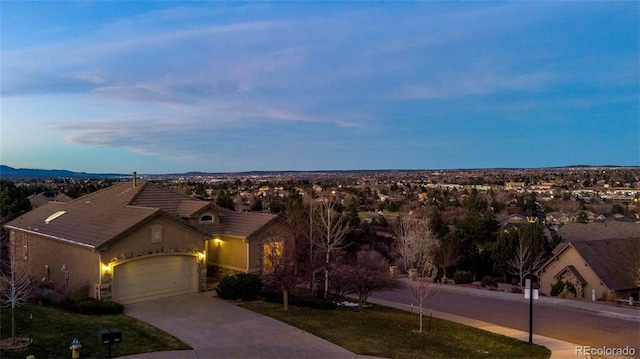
(14, 344)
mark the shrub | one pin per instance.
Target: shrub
(516, 290)
(94, 307)
(300, 301)
(566, 294)
(462, 277)
(79, 293)
(488, 281)
(45, 294)
(313, 303)
(243, 286)
(561, 286)
(610, 296)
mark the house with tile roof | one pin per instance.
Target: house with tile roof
(596, 257)
(136, 241)
(39, 199)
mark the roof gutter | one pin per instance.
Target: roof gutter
(52, 237)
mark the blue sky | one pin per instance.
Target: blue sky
(158, 87)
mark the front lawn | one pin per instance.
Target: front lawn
(53, 329)
(390, 333)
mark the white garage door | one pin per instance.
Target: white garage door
(154, 278)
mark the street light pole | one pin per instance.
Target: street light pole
(532, 220)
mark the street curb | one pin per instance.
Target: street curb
(598, 309)
(559, 348)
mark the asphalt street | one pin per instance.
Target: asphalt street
(571, 325)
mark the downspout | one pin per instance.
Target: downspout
(248, 250)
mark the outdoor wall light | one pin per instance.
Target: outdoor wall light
(106, 268)
(218, 241)
(201, 256)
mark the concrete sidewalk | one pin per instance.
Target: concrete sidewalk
(559, 349)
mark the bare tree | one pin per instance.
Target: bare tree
(526, 259)
(15, 284)
(446, 255)
(279, 264)
(334, 228)
(415, 243)
(313, 236)
(425, 285)
(406, 233)
(370, 273)
(340, 283)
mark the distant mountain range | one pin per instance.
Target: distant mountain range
(11, 173)
(7, 172)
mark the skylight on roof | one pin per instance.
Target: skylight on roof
(54, 216)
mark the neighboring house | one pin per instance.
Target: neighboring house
(39, 199)
(138, 241)
(513, 220)
(599, 256)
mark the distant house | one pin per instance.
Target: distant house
(39, 199)
(509, 186)
(137, 241)
(598, 256)
(513, 220)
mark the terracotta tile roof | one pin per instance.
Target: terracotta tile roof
(572, 232)
(39, 199)
(611, 259)
(90, 220)
(609, 248)
(102, 216)
(244, 224)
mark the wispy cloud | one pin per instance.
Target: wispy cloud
(159, 81)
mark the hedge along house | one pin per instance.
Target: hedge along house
(597, 257)
(137, 241)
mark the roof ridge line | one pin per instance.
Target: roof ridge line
(133, 198)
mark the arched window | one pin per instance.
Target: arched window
(206, 218)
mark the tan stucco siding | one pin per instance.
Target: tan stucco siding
(83, 264)
(241, 254)
(174, 239)
(228, 253)
(276, 229)
(571, 257)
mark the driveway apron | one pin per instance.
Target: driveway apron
(215, 328)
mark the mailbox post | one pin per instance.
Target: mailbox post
(108, 337)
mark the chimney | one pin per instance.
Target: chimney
(133, 175)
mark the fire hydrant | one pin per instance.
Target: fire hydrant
(75, 348)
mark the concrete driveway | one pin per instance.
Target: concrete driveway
(215, 328)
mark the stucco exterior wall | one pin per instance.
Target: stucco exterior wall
(256, 244)
(228, 253)
(83, 264)
(241, 254)
(571, 257)
(175, 239)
